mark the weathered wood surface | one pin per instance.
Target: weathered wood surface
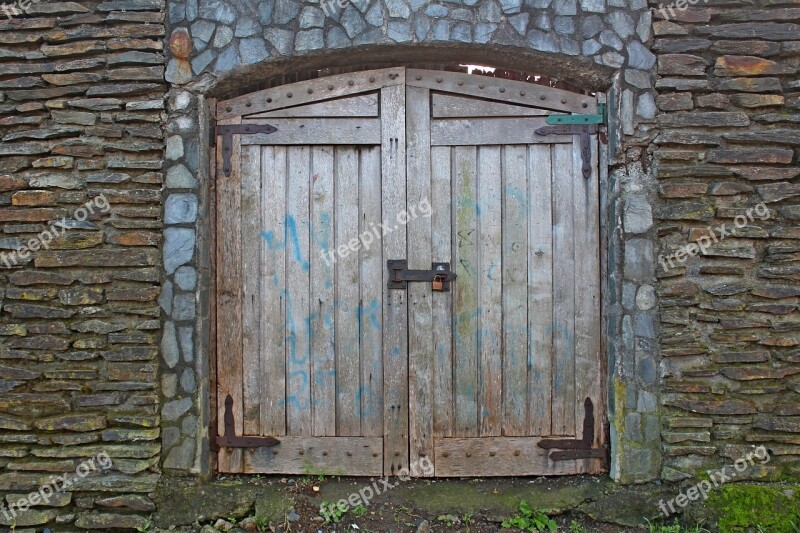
(352, 456)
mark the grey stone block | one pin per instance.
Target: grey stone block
(638, 216)
(353, 22)
(181, 457)
(638, 78)
(178, 247)
(591, 26)
(543, 22)
(374, 15)
(188, 382)
(421, 27)
(169, 436)
(180, 208)
(281, 39)
(189, 426)
(511, 7)
(311, 17)
(441, 30)
(489, 11)
(223, 37)
(633, 427)
(639, 260)
(461, 32)
(484, 31)
(187, 342)
(337, 38)
(228, 59)
(399, 31)
(646, 106)
(285, 11)
(437, 11)
(564, 25)
(622, 23)
(520, 22)
(309, 40)
(542, 41)
(593, 6)
(173, 410)
(591, 47)
(569, 46)
(169, 345)
(186, 278)
(253, 50)
(165, 298)
(397, 8)
(639, 57)
(169, 385)
(609, 38)
(265, 10)
(183, 306)
(217, 10)
(643, 326)
(203, 30)
(247, 27)
(200, 62)
(566, 7)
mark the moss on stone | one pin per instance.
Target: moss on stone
(737, 507)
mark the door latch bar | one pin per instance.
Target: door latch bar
(227, 132)
(230, 440)
(400, 275)
(585, 131)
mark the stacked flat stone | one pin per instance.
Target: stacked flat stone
(81, 116)
(729, 131)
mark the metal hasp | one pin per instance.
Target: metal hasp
(230, 440)
(228, 131)
(583, 125)
(577, 448)
(399, 275)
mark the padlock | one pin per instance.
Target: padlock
(438, 283)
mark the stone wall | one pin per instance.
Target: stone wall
(729, 128)
(81, 119)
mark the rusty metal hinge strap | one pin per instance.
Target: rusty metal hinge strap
(584, 131)
(229, 130)
(230, 440)
(577, 448)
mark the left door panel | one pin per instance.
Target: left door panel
(300, 293)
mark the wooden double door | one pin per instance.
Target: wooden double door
(355, 378)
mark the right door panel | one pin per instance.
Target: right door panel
(515, 345)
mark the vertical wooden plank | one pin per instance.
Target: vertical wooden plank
(490, 318)
(564, 175)
(395, 309)
(348, 370)
(442, 307)
(465, 316)
(323, 360)
(298, 393)
(274, 167)
(587, 285)
(229, 286)
(371, 298)
(540, 288)
(515, 290)
(251, 287)
(420, 337)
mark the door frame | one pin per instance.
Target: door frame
(392, 466)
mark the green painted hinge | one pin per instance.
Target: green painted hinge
(599, 118)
